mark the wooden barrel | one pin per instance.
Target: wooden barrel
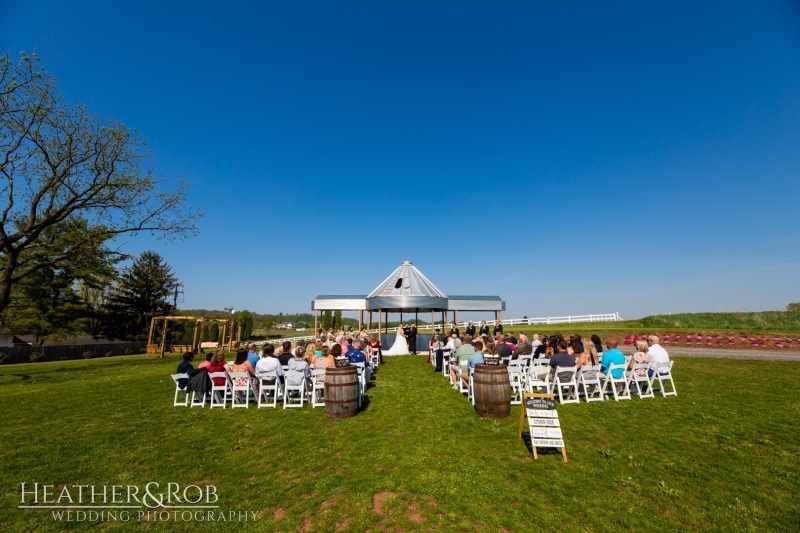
(492, 391)
(341, 391)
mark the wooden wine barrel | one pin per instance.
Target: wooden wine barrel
(341, 391)
(492, 391)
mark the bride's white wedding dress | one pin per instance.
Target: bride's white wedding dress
(400, 346)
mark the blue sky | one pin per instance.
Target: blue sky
(571, 157)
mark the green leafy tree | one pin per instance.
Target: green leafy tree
(59, 163)
(327, 320)
(337, 319)
(246, 319)
(794, 306)
(57, 301)
(144, 290)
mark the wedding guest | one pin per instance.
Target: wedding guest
(298, 363)
(185, 367)
(511, 338)
(207, 362)
(612, 356)
(641, 356)
(536, 342)
(462, 355)
(522, 348)
(311, 355)
(561, 360)
(541, 349)
(242, 364)
(343, 344)
(327, 360)
(375, 343)
(218, 364)
(484, 331)
(470, 329)
(269, 362)
(355, 354)
(502, 348)
(286, 354)
(318, 349)
(598, 344)
(252, 356)
(657, 353)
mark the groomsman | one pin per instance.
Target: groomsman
(498, 327)
(471, 329)
(484, 328)
(454, 330)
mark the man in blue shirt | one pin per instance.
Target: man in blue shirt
(612, 357)
(357, 356)
(252, 356)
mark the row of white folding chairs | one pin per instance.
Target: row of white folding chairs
(602, 385)
(238, 389)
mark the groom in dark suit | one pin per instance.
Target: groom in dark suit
(411, 337)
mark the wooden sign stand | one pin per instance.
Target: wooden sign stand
(552, 419)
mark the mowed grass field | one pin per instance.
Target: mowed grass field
(723, 455)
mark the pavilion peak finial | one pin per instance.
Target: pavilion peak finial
(406, 263)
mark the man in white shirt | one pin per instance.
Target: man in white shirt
(656, 352)
(268, 362)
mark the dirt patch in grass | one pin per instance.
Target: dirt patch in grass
(277, 514)
(414, 515)
(377, 501)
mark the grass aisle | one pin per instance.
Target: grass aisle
(722, 455)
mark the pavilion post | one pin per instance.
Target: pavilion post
(386, 322)
(401, 317)
(164, 338)
(222, 338)
(152, 326)
(369, 320)
(433, 321)
(455, 317)
(379, 321)
(416, 316)
(360, 319)
(316, 316)
(194, 337)
(501, 315)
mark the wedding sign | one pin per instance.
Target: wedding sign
(543, 423)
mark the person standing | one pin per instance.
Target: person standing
(412, 339)
(471, 329)
(498, 328)
(454, 330)
(484, 331)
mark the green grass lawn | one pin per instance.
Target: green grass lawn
(722, 455)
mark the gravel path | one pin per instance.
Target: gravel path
(727, 353)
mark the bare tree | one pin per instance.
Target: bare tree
(58, 162)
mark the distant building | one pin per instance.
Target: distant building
(8, 339)
(284, 326)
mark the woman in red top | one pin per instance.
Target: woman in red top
(218, 365)
(375, 343)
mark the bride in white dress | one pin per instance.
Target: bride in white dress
(400, 346)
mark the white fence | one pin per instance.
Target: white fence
(573, 319)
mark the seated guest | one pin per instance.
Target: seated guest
(536, 342)
(475, 359)
(612, 356)
(541, 349)
(327, 360)
(317, 349)
(299, 363)
(587, 357)
(207, 362)
(355, 354)
(488, 347)
(657, 353)
(252, 356)
(375, 343)
(311, 355)
(185, 367)
(461, 358)
(242, 364)
(561, 359)
(598, 344)
(511, 338)
(502, 348)
(218, 364)
(286, 354)
(641, 356)
(552, 345)
(268, 362)
(522, 347)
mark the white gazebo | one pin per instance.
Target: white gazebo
(406, 290)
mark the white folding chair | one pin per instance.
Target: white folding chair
(241, 388)
(585, 379)
(294, 381)
(179, 390)
(570, 383)
(641, 382)
(662, 373)
(516, 380)
(525, 361)
(374, 357)
(462, 370)
(619, 385)
(269, 385)
(538, 378)
(219, 393)
(362, 380)
(318, 388)
(471, 393)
